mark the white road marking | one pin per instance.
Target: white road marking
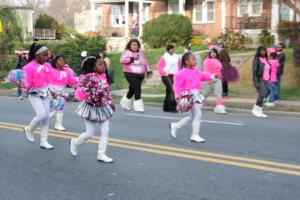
(177, 118)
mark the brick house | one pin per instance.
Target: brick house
(208, 17)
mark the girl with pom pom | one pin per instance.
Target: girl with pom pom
(62, 76)
(188, 84)
(97, 107)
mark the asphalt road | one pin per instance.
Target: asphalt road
(244, 158)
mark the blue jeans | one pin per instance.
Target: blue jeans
(277, 89)
(272, 89)
(19, 91)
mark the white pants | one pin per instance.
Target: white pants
(90, 132)
(41, 107)
(217, 89)
(194, 118)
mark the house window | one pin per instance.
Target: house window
(203, 11)
(284, 13)
(173, 6)
(250, 7)
(118, 15)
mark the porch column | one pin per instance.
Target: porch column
(181, 7)
(126, 18)
(223, 16)
(275, 18)
(93, 16)
(141, 16)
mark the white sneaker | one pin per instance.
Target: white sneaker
(261, 113)
(173, 129)
(269, 104)
(220, 109)
(73, 147)
(125, 103)
(256, 111)
(104, 158)
(139, 106)
(45, 145)
(197, 138)
(29, 135)
(21, 97)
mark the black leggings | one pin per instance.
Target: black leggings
(225, 88)
(170, 100)
(263, 92)
(135, 85)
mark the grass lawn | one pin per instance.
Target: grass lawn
(7, 85)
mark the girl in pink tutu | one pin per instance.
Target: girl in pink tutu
(213, 65)
(62, 76)
(96, 107)
(189, 81)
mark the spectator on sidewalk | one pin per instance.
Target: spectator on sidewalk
(261, 69)
(20, 63)
(281, 57)
(168, 65)
(229, 73)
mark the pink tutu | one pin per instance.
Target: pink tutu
(230, 74)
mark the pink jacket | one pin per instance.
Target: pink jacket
(140, 66)
(36, 75)
(63, 78)
(165, 70)
(213, 66)
(274, 69)
(189, 79)
(267, 69)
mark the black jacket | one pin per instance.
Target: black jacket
(258, 69)
(281, 59)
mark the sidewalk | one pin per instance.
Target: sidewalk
(233, 103)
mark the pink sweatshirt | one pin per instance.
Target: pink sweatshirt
(140, 66)
(274, 66)
(63, 78)
(36, 75)
(168, 65)
(267, 69)
(190, 79)
(213, 66)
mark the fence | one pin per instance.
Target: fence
(44, 34)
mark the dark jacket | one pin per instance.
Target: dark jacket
(281, 58)
(258, 69)
(20, 64)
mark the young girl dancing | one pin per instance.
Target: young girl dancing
(62, 76)
(97, 107)
(37, 79)
(189, 79)
(213, 65)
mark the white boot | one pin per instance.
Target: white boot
(59, 119)
(52, 114)
(220, 109)
(102, 157)
(73, 147)
(269, 104)
(125, 103)
(44, 144)
(139, 106)
(29, 134)
(261, 113)
(195, 137)
(174, 128)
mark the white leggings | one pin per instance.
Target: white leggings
(194, 118)
(90, 132)
(41, 107)
(217, 89)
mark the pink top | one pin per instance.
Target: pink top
(190, 79)
(168, 65)
(267, 69)
(36, 75)
(63, 77)
(213, 66)
(274, 66)
(140, 65)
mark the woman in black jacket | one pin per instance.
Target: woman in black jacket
(261, 69)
